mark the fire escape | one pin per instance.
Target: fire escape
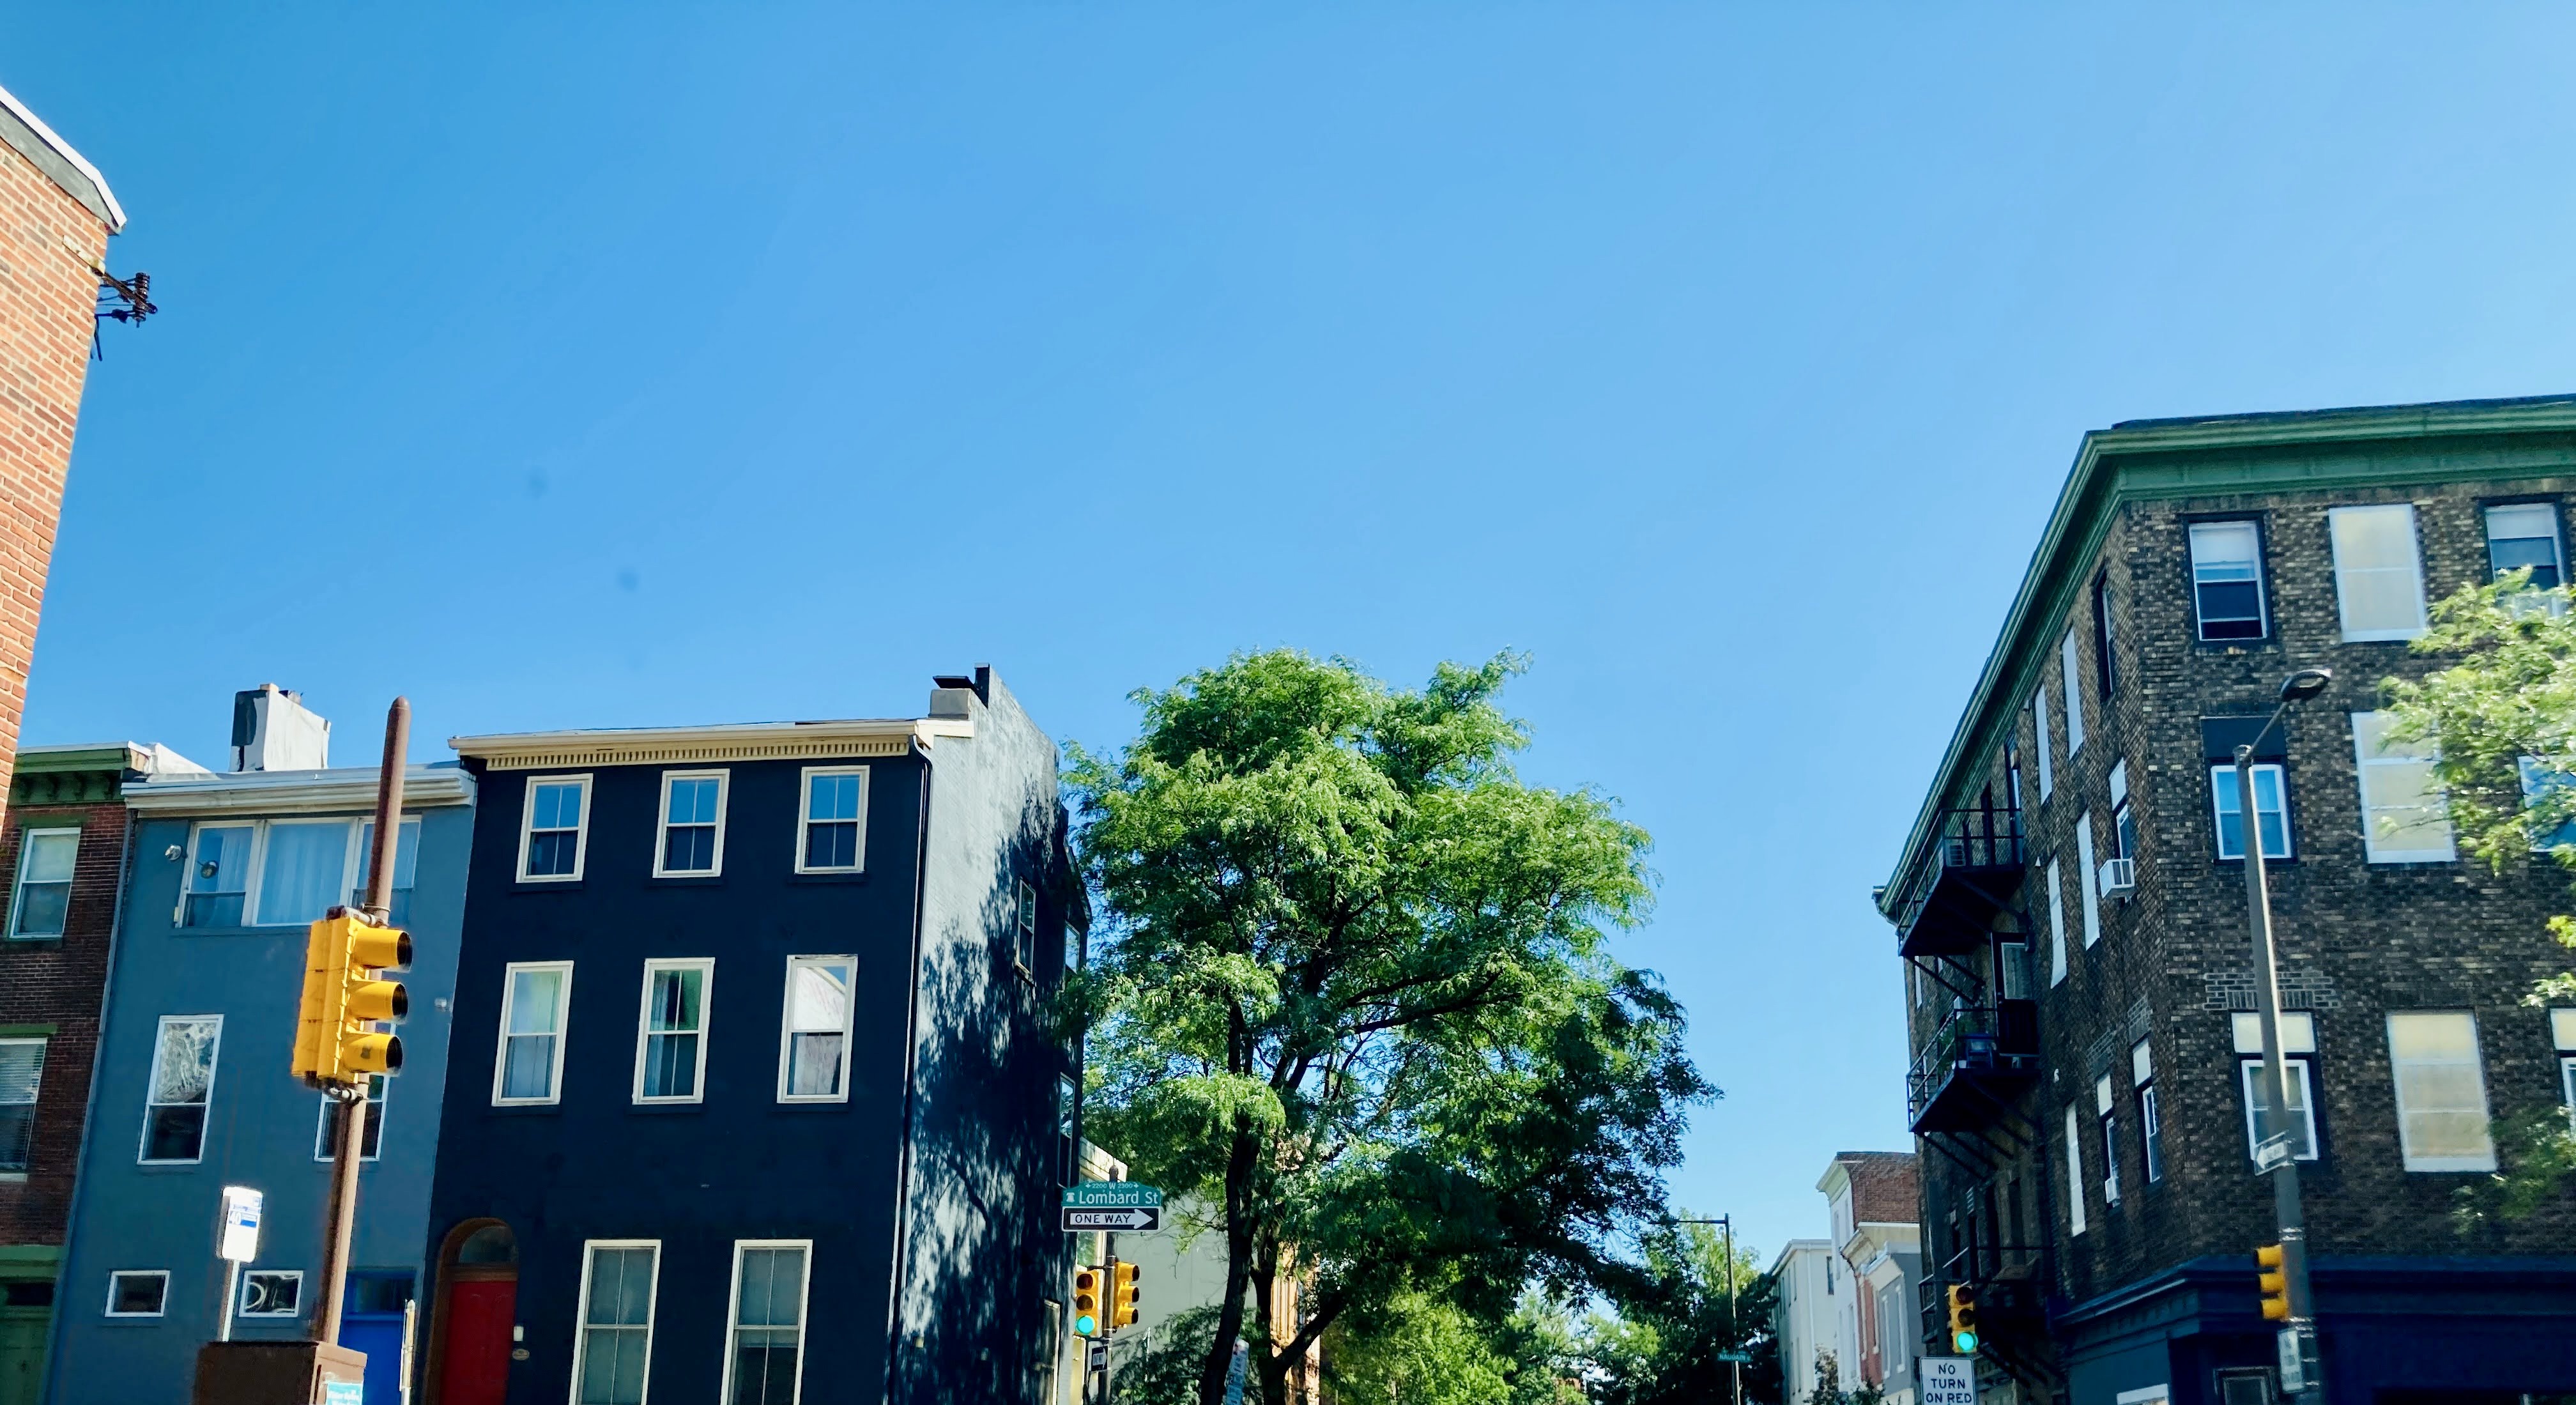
(1961, 922)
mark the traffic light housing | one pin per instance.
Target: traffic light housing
(1122, 1293)
(1086, 1301)
(1963, 1319)
(2273, 1278)
(336, 1042)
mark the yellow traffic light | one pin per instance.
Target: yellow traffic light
(1122, 1293)
(335, 1042)
(2273, 1278)
(1086, 1301)
(1963, 1319)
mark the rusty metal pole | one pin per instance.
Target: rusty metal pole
(353, 1101)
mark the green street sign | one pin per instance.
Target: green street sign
(1740, 1358)
(1112, 1195)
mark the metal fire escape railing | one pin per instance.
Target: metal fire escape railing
(1971, 837)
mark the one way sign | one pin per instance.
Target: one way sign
(1133, 1219)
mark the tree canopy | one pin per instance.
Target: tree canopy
(1351, 992)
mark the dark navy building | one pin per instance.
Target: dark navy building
(754, 1098)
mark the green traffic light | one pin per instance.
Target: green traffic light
(1964, 1343)
(1086, 1326)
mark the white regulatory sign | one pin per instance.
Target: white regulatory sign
(1947, 1380)
(237, 1238)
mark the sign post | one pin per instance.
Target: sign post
(236, 1243)
(1947, 1380)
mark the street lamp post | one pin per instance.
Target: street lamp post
(2280, 1135)
(1733, 1331)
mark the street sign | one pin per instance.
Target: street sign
(237, 1237)
(1111, 1195)
(1740, 1358)
(2273, 1152)
(344, 1393)
(2298, 1357)
(1947, 1380)
(1140, 1220)
(1098, 1359)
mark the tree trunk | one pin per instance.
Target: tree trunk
(1238, 1266)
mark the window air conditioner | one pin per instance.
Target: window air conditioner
(2119, 875)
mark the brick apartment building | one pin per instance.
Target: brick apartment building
(64, 845)
(2070, 905)
(56, 214)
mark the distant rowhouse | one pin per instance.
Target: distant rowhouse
(2070, 905)
(756, 1099)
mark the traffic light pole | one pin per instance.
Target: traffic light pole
(2278, 1130)
(345, 1158)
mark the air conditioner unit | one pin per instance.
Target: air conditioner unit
(2119, 875)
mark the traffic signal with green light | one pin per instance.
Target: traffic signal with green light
(336, 1042)
(1086, 1301)
(1122, 1293)
(2273, 1278)
(1963, 1319)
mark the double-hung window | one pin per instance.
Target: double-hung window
(671, 1035)
(2070, 672)
(764, 1364)
(2103, 1111)
(44, 897)
(182, 1086)
(286, 873)
(2405, 817)
(2379, 579)
(2270, 809)
(2106, 672)
(2524, 536)
(2562, 1036)
(2056, 921)
(814, 1033)
(406, 866)
(2441, 1091)
(1024, 939)
(612, 1356)
(2549, 798)
(2151, 1113)
(554, 829)
(528, 1067)
(218, 876)
(2124, 819)
(22, 1075)
(693, 815)
(2074, 1170)
(2039, 725)
(2227, 580)
(832, 826)
(2298, 1051)
(371, 1138)
(2088, 879)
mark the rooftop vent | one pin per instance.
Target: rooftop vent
(274, 731)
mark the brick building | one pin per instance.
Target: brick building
(2070, 905)
(56, 213)
(64, 845)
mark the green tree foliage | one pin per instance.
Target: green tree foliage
(1352, 991)
(2504, 719)
(1661, 1345)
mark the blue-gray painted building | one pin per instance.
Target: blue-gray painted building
(755, 1097)
(223, 876)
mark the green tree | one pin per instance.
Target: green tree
(1354, 994)
(1672, 1319)
(2503, 717)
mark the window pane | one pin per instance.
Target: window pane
(832, 798)
(819, 997)
(138, 1292)
(832, 845)
(2258, 1098)
(2403, 807)
(2441, 1093)
(528, 1069)
(2227, 579)
(219, 877)
(43, 908)
(2525, 534)
(558, 806)
(49, 856)
(693, 802)
(406, 854)
(2376, 580)
(814, 1065)
(675, 998)
(689, 849)
(304, 872)
(534, 996)
(183, 1070)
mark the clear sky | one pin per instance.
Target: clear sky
(601, 365)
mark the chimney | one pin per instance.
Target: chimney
(273, 731)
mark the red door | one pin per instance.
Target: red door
(476, 1368)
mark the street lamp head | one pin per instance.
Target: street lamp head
(2305, 684)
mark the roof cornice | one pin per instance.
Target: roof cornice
(748, 741)
(2144, 460)
(350, 788)
(27, 133)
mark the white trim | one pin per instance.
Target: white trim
(581, 828)
(787, 1029)
(2302, 1071)
(581, 1313)
(2146, 1395)
(2088, 879)
(705, 966)
(2039, 733)
(2056, 922)
(2070, 666)
(78, 162)
(662, 823)
(501, 1039)
(347, 788)
(152, 1080)
(2475, 1063)
(18, 888)
(804, 1310)
(805, 811)
(2074, 1171)
(2414, 568)
(748, 741)
(242, 1306)
(116, 1273)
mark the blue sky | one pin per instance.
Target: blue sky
(571, 365)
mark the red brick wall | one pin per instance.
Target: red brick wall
(49, 246)
(63, 984)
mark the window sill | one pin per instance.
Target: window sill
(13, 1178)
(17, 940)
(545, 885)
(667, 1107)
(830, 876)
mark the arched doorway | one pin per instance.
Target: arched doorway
(471, 1316)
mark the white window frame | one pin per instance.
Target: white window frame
(581, 1305)
(705, 966)
(2262, 596)
(2088, 879)
(2074, 1170)
(253, 895)
(2056, 922)
(2415, 568)
(563, 1032)
(241, 1307)
(2222, 780)
(2376, 847)
(2071, 667)
(2476, 1064)
(2562, 1036)
(18, 890)
(2104, 1113)
(35, 1095)
(152, 1080)
(805, 812)
(250, 878)
(1024, 926)
(377, 1100)
(2556, 538)
(787, 1029)
(2298, 1050)
(804, 1310)
(581, 830)
(662, 823)
(2039, 721)
(117, 1273)
(2142, 1085)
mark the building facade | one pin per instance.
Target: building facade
(1870, 1199)
(2070, 905)
(64, 844)
(56, 214)
(756, 1097)
(1807, 1319)
(223, 876)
